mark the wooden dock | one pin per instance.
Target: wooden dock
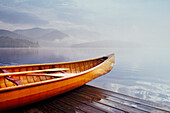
(90, 99)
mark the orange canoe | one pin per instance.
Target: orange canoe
(26, 84)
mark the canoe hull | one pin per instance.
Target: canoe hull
(27, 95)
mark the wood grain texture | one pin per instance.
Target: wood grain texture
(37, 88)
(90, 99)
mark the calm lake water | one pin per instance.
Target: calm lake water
(143, 73)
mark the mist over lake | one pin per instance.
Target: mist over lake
(137, 31)
(140, 72)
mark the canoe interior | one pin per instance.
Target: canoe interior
(73, 67)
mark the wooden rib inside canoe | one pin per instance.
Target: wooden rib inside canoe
(41, 81)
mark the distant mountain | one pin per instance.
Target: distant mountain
(7, 33)
(40, 34)
(11, 39)
(7, 42)
(107, 44)
(34, 32)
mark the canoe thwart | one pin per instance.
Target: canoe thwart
(35, 71)
(53, 75)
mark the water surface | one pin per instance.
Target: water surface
(143, 73)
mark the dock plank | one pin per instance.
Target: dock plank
(142, 102)
(64, 107)
(90, 99)
(91, 102)
(47, 108)
(84, 107)
(120, 100)
(113, 104)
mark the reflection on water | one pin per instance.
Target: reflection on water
(143, 73)
(14, 56)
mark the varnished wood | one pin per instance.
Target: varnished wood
(39, 87)
(55, 75)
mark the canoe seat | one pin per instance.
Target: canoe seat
(15, 81)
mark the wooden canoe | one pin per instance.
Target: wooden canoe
(26, 84)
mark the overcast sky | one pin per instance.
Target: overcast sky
(145, 21)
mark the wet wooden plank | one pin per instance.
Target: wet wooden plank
(113, 104)
(90, 99)
(79, 105)
(91, 102)
(65, 107)
(118, 100)
(46, 107)
(144, 103)
(39, 107)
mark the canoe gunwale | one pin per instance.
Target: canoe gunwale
(58, 79)
(44, 64)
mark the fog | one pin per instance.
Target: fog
(144, 22)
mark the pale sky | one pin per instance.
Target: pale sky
(144, 21)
